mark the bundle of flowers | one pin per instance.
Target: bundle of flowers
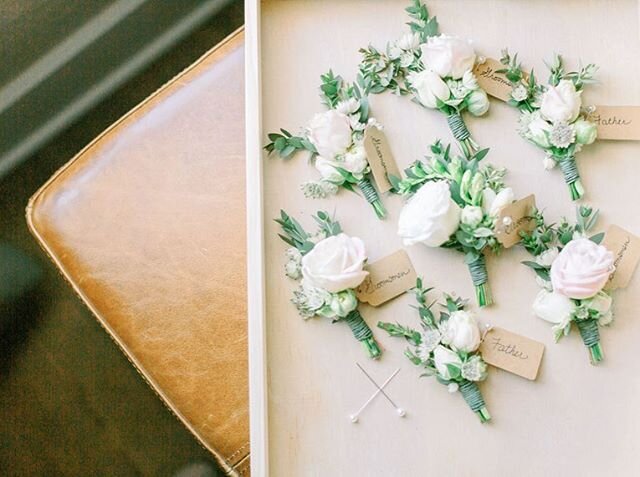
(329, 266)
(572, 270)
(335, 140)
(454, 203)
(447, 347)
(435, 70)
(551, 116)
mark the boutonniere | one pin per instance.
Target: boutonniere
(329, 265)
(572, 268)
(551, 115)
(335, 139)
(454, 202)
(435, 70)
(446, 347)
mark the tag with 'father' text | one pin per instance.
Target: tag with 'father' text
(515, 218)
(380, 158)
(514, 353)
(388, 277)
(626, 250)
(617, 122)
(495, 84)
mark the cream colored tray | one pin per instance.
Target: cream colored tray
(576, 419)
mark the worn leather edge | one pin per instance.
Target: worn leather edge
(240, 466)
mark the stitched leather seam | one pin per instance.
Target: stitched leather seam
(243, 447)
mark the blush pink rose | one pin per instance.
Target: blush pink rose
(581, 269)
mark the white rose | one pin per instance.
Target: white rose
(493, 203)
(348, 106)
(355, 161)
(553, 307)
(547, 257)
(429, 87)
(461, 331)
(472, 215)
(330, 133)
(444, 356)
(448, 56)
(335, 263)
(561, 104)
(328, 170)
(343, 303)
(539, 132)
(478, 102)
(430, 216)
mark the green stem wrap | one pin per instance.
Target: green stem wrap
(480, 279)
(571, 176)
(371, 196)
(591, 338)
(471, 394)
(458, 127)
(362, 333)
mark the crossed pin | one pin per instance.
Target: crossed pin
(379, 390)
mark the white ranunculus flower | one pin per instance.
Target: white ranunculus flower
(330, 133)
(478, 102)
(348, 106)
(493, 203)
(561, 104)
(539, 130)
(430, 216)
(429, 87)
(471, 215)
(547, 257)
(355, 161)
(586, 131)
(335, 263)
(444, 356)
(343, 303)
(448, 56)
(327, 170)
(461, 331)
(553, 307)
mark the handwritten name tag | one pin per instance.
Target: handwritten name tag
(388, 278)
(380, 158)
(495, 84)
(617, 122)
(511, 352)
(626, 249)
(515, 218)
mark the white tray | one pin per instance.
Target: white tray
(576, 419)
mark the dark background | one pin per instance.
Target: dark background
(70, 402)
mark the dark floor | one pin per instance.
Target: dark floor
(70, 403)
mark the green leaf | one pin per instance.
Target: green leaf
(597, 238)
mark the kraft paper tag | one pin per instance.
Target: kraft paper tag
(380, 158)
(514, 353)
(495, 84)
(626, 249)
(515, 218)
(617, 122)
(388, 278)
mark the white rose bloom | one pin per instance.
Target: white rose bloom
(553, 307)
(561, 103)
(478, 102)
(430, 216)
(343, 303)
(469, 80)
(348, 106)
(442, 357)
(429, 87)
(547, 257)
(493, 203)
(461, 331)
(448, 56)
(335, 263)
(472, 215)
(355, 160)
(330, 133)
(328, 170)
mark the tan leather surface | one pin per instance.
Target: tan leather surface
(148, 225)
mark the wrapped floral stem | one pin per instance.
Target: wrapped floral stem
(362, 333)
(551, 115)
(454, 202)
(335, 141)
(446, 347)
(436, 71)
(329, 265)
(572, 269)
